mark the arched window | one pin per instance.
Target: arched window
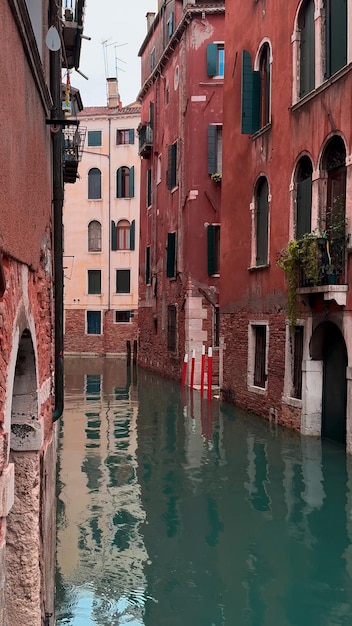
(262, 221)
(94, 236)
(335, 35)
(264, 71)
(306, 48)
(304, 197)
(94, 184)
(123, 235)
(125, 182)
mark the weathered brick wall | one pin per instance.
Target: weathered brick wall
(113, 339)
(234, 329)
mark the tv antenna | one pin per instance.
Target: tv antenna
(116, 45)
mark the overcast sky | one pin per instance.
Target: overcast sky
(123, 26)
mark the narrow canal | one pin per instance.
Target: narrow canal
(175, 513)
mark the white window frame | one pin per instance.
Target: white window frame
(251, 356)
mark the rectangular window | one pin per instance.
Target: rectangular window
(215, 59)
(147, 266)
(94, 138)
(94, 322)
(297, 345)
(149, 186)
(171, 255)
(259, 378)
(123, 281)
(123, 317)
(172, 166)
(170, 25)
(125, 136)
(152, 59)
(215, 148)
(171, 328)
(94, 282)
(213, 249)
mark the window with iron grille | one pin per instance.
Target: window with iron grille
(123, 281)
(297, 345)
(94, 282)
(93, 322)
(171, 328)
(94, 236)
(259, 378)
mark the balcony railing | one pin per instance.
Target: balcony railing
(331, 262)
(145, 133)
(73, 14)
(73, 144)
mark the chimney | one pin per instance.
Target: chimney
(150, 19)
(113, 94)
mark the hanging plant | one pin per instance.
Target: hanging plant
(216, 177)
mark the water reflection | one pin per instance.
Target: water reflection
(187, 513)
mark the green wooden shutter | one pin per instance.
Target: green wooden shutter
(147, 265)
(119, 183)
(307, 50)
(250, 90)
(212, 148)
(212, 52)
(338, 34)
(149, 186)
(304, 207)
(262, 223)
(131, 135)
(131, 182)
(113, 236)
(171, 255)
(211, 250)
(169, 167)
(151, 114)
(173, 165)
(132, 234)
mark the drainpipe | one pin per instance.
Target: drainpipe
(58, 198)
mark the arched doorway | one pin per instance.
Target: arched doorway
(328, 345)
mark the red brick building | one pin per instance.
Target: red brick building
(288, 178)
(180, 140)
(31, 381)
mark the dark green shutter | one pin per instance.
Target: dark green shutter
(307, 49)
(171, 255)
(304, 207)
(262, 209)
(151, 114)
(149, 187)
(113, 236)
(171, 166)
(211, 250)
(147, 265)
(131, 135)
(132, 234)
(338, 34)
(250, 90)
(131, 182)
(212, 148)
(212, 53)
(119, 183)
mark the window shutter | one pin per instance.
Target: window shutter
(250, 96)
(171, 255)
(149, 187)
(170, 25)
(131, 182)
(151, 114)
(212, 148)
(132, 234)
(304, 207)
(169, 167)
(212, 51)
(131, 135)
(211, 250)
(338, 34)
(147, 265)
(262, 223)
(113, 236)
(119, 183)
(307, 49)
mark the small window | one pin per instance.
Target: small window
(94, 236)
(213, 249)
(125, 136)
(170, 25)
(171, 328)
(123, 235)
(94, 138)
(215, 59)
(94, 322)
(94, 184)
(123, 281)
(304, 197)
(123, 317)
(172, 166)
(94, 282)
(171, 255)
(262, 222)
(297, 346)
(259, 378)
(125, 182)
(335, 36)
(152, 59)
(264, 72)
(148, 278)
(306, 48)
(215, 149)
(149, 187)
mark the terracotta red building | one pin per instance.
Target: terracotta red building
(33, 173)
(180, 141)
(288, 178)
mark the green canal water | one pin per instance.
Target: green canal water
(173, 511)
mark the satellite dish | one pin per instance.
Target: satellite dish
(52, 39)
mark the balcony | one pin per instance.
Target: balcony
(73, 144)
(72, 30)
(145, 133)
(330, 280)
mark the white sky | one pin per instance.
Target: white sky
(124, 26)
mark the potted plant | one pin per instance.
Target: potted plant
(216, 177)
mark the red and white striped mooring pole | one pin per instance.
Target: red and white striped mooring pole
(192, 368)
(210, 371)
(202, 367)
(184, 370)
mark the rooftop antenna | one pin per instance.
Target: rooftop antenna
(106, 45)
